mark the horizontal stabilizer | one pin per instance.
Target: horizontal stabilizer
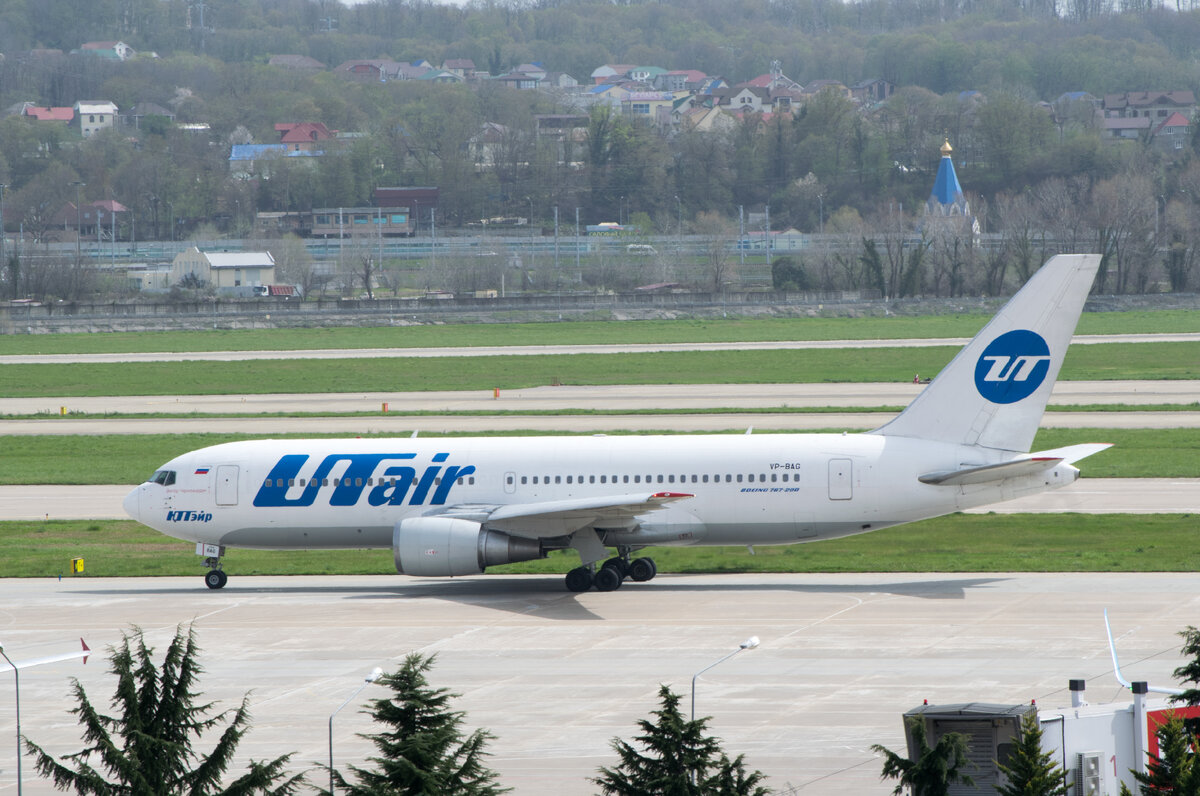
(990, 472)
(1025, 465)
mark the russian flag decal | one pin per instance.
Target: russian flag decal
(201, 471)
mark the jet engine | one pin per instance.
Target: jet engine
(441, 546)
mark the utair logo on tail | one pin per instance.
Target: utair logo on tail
(1012, 366)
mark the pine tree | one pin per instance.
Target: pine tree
(1174, 769)
(1030, 770)
(680, 760)
(423, 751)
(149, 748)
(935, 769)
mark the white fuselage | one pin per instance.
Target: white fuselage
(745, 489)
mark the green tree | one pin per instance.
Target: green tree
(149, 748)
(1173, 770)
(936, 767)
(423, 751)
(1030, 770)
(681, 760)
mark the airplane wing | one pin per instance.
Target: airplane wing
(1025, 465)
(66, 656)
(562, 517)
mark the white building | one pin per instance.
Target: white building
(224, 270)
(94, 115)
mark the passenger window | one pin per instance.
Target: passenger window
(602, 479)
(774, 478)
(670, 478)
(568, 479)
(739, 478)
(525, 479)
(705, 478)
(471, 480)
(637, 479)
(627, 479)
(558, 479)
(509, 480)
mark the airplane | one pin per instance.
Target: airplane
(452, 507)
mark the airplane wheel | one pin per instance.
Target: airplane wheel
(642, 569)
(215, 579)
(607, 579)
(579, 579)
(619, 565)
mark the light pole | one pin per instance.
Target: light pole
(374, 676)
(821, 217)
(17, 681)
(679, 211)
(78, 227)
(748, 644)
(2, 187)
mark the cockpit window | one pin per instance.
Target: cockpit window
(163, 477)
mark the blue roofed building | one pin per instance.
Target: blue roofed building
(254, 160)
(947, 210)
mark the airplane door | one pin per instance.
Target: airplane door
(841, 479)
(510, 483)
(227, 484)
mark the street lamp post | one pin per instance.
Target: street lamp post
(748, 644)
(78, 226)
(17, 682)
(679, 211)
(2, 187)
(374, 676)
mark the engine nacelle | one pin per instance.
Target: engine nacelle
(441, 546)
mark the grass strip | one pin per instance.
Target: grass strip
(1095, 362)
(128, 459)
(956, 543)
(576, 332)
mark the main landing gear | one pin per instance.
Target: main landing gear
(611, 574)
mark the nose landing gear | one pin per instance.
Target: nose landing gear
(216, 577)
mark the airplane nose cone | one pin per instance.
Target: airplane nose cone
(132, 503)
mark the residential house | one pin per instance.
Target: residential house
(247, 161)
(679, 80)
(743, 98)
(487, 145)
(113, 50)
(607, 72)
(817, 86)
(871, 91)
(371, 70)
(567, 132)
(296, 63)
(463, 67)
(774, 79)
(304, 136)
(707, 120)
(92, 221)
(518, 80)
(1121, 128)
(560, 80)
(653, 106)
(44, 114)
(1174, 134)
(606, 94)
(646, 74)
(1156, 105)
(224, 269)
(439, 76)
(93, 116)
(534, 70)
(785, 100)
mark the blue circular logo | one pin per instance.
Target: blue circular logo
(1012, 366)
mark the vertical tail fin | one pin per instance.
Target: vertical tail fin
(993, 393)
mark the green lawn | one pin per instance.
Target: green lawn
(956, 543)
(1114, 361)
(568, 332)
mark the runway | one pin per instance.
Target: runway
(555, 676)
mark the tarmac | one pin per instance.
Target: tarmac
(556, 676)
